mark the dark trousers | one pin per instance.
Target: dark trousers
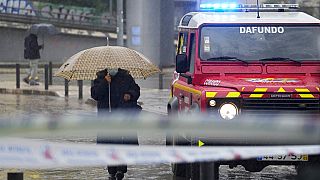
(133, 140)
(114, 169)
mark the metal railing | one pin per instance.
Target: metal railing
(60, 19)
(48, 75)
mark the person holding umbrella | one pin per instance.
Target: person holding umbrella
(32, 49)
(115, 89)
(32, 52)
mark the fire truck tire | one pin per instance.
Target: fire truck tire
(195, 171)
(172, 107)
(208, 170)
(179, 170)
(253, 167)
(308, 172)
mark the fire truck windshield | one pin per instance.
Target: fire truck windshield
(260, 42)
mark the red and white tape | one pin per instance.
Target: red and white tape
(34, 154)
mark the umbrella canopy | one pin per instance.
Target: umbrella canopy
(43, 29)
(85, 64)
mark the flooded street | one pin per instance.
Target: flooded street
(241, 78)
(15, 105)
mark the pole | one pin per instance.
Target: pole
(18, 76)
(66, 88)
(42, 44)
(120, 22)
(258, 8)
(46, 75)
(161, 80)
(198, 5)
(110, 7)
(319, 10)
(109, 97)
(80, 84)
(50, 73)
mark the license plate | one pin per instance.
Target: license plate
(280, 95)
(284, 158)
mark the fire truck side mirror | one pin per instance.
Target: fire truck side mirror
(181, 63)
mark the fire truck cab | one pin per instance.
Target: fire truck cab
(238, 61)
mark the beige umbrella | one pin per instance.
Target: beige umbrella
(85, 64)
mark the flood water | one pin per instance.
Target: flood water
(15, 105)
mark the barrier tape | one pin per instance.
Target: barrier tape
(272, 129)
(37, 154)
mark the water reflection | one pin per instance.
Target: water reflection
(15, 105)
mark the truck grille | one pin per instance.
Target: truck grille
(281, 104)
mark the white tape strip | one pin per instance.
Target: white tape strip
(285, 129)
(34, 154)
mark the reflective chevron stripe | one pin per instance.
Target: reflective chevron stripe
(233, 95)
(257, 92)
(258, 95)
(304, 90)
(211, 94)
(186, 88)
(281, 90)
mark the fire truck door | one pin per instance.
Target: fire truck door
(180, 87)
(186, 95)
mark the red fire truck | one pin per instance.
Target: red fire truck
(238, 59)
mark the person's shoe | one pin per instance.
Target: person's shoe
(119, 175)
(33, 83)
(112, 177)
(26, 80)
(36, 79)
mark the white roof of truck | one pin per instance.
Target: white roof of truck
(199, 18)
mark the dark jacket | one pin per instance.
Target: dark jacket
(121, 83)
(31, 47)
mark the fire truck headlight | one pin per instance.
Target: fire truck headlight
(228, 111)
(212, 103)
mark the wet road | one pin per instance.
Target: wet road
(14, 105)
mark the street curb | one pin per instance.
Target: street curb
(27, 92)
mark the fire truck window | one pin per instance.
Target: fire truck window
(261, 41)
(192, 52)
(183, 41)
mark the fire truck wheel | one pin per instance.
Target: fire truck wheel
(308, 172)
(179, 170)
(195, 171)
(254, 167)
